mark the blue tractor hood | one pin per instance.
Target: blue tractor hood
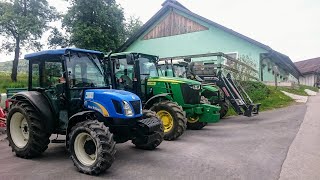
(110, 102)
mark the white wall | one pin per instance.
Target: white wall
(309, 79)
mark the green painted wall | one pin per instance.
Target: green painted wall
(209, 41)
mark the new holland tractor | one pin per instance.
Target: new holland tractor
(218, 88)
(177, 101)
(69, 94)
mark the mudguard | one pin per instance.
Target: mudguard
(41, 104)
(152, 100)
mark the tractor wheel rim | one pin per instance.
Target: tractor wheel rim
(81, 149)
(193, 119)
(166, 119)
(19, 130)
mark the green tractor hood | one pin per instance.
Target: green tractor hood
(174, 80)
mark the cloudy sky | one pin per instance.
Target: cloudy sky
(289, 26)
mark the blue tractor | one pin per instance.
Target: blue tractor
(70, 94)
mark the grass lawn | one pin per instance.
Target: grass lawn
(298, 90)
(5, 81)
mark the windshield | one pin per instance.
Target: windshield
(85, 70)
(147, 67)
(177, 71)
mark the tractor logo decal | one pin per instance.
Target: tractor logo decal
(151, 83)
(89, 95)
(97, 107)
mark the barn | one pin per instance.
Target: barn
(310, 70)
(176, 31)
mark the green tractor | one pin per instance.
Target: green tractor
(177, 101)
(219, 89)
(68, 94)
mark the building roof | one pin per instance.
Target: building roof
(42, 55)
(169, 4)
(309, 66)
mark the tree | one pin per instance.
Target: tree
(132, 26)
(95, 24)
(243, 69)
(22, 23)
(57, 38)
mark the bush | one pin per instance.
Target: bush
(257, 91)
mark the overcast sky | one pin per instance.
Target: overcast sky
(288, 26)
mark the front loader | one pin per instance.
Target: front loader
(177, 101)
(68, 94)
(218, 88)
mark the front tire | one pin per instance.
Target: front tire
(193, 122)
(26, 131)
(92, 147)
(159, 132)
(172, 117)
(224, 109)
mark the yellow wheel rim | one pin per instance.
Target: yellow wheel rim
(166, 119)
(193, 119)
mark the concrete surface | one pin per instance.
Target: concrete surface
(297, 98)
(303, 160)
(235, 148)
(310, 92)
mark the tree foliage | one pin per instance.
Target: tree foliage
(95, 24)
(22, 23)
(57, 39)
(132, 26)
(244, 70)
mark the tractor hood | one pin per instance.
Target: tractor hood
(110, 102)
(174, 80)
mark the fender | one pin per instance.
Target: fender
(41, 104)
(78, 117)
(151, 101)
(73, 120)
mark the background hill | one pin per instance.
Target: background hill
(7, 66)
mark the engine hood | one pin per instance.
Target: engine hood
(174, 80)
(118, 95)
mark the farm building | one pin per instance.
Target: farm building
(310, 70)
(176, 31)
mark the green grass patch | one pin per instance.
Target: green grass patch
(298, 90)
(5, 81)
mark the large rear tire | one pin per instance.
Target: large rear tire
(159, 132)
(92, 147)
(173, 119)
(26, 131)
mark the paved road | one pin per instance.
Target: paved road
(303, 160)
(236, 148)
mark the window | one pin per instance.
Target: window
(233, 55)
(52, 74)
(35, 76)
(85, 71)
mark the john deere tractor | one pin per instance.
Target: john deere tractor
(68, 94)
(177, 101)
(218, 88)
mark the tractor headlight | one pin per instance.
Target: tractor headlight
(127, 108)
(196, 87)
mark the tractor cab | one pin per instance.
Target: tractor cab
(63, 76)
(132, 70)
